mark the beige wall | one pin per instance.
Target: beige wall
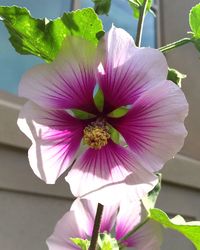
(27, 219)
(186, 59)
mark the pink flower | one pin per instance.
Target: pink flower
(78, 223)
(128, 76)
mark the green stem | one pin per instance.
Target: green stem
(176, 44)
(133, 231)
(97, 224)
(143, 9)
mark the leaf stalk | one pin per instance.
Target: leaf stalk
(143, 9)
(176, 44)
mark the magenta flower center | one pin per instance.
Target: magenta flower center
(96, 135)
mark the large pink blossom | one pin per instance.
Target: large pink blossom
(152, 130)
(116, 220)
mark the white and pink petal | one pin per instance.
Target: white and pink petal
(69, 226)
(55, 137)
(109, 175)
(128, 71)
(128, 218)
(154, 127)
(67, 82)
(149, 236)
(86, 211)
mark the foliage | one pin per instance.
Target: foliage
(136, 5)
(175, 76)
(43, 37)
(102, 7)
(191, 230)
(194, 21)
(150, 200)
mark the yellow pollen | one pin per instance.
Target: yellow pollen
(96, 136)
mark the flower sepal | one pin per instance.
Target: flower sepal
(119, 112)
(107, 242)
(80, 114)
(98, 98)
(114, 134)
(150, 199)
(83, 244)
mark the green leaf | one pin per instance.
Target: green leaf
(194, 20)
(43, 37)
(83, 244)
(150, 200)
(98, 97)
(106, 242)
(119, 112)
(80, 114)
(175, 76)
(136, 5)
(102, 7)
(191, 230)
